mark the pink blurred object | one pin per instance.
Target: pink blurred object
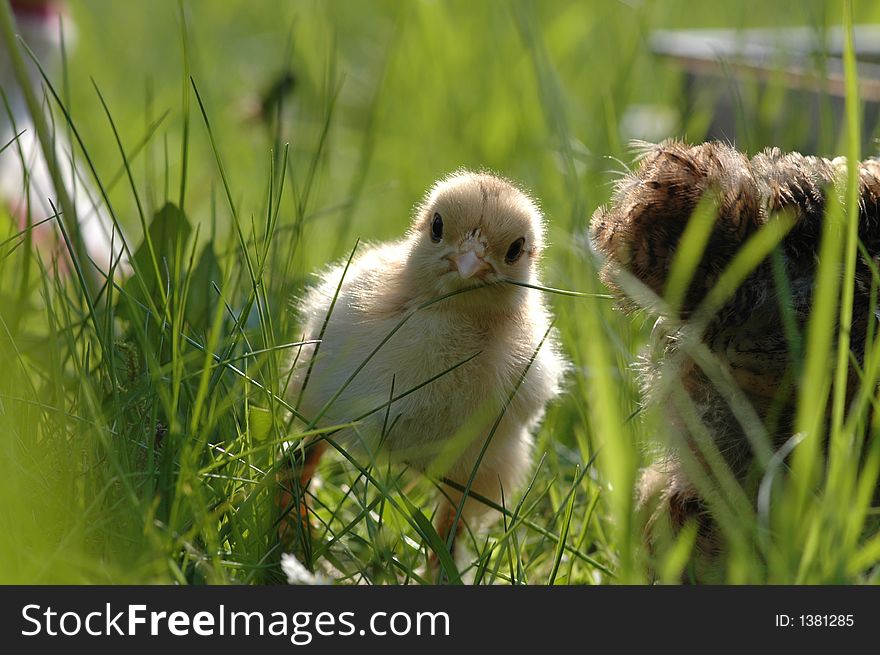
(25, 181)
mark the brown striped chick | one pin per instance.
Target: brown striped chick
(638, 234)
(471, 230)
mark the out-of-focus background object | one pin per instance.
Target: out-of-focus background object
(26, 186)
(805, 62)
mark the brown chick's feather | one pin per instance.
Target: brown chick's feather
(463, 234)
(650, 209)
(638, 234)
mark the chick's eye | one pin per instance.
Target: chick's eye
(515, 250)
(436, 228)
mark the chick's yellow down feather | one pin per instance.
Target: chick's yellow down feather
(472, 231)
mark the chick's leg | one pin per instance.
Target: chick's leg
(293, 481)
(670, 502)
(445, 525)
(499, 476)
(448, 527)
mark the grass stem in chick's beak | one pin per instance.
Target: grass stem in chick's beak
(560, 292)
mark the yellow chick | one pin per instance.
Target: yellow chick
(452, 365)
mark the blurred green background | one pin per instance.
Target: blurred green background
(424, 88)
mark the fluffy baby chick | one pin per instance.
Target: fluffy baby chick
(638, 234)
(471, 348)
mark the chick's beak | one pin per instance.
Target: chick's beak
(469, 264)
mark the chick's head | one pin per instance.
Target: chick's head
(472, 228)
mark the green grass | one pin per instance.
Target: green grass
(140, 423)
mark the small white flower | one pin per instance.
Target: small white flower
(298, 574)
